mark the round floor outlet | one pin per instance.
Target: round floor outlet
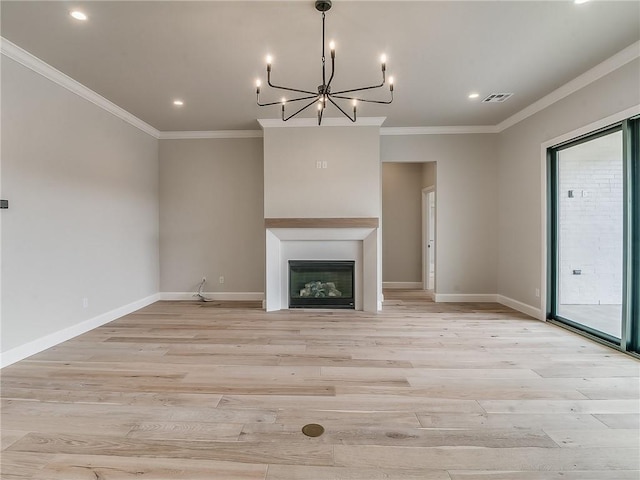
(313, 430)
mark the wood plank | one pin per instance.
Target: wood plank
(21, 465)
(621, 438)
(298, 472)
(306, 453)
(616, 420)
(560, 406)
(547, 475)
(347, 434)
(359, 222)
(113, 467)
(510, 420)
(519, 459)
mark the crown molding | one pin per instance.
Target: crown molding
(211, 134)
(326, 122)
(32, 62)
(608, 66)
(453, 130)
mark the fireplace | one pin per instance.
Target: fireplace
(321, 284)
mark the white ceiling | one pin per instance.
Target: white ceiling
(143, 55)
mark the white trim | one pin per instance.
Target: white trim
(326, 122)
(521, 307)
(602, 123)
(613, 63)
(453, 130)
(28, 60)
(36, 346)
(211, 134)
(402, 285)
(610, 65)
(586, 129)
(218, 296)
(466, 297)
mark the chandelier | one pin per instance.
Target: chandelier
(323, 94)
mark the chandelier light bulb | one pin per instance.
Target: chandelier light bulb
(269, 59)
(284, 100)
(391, 84)
(355, 103)
(383, 58)
(319, 105)
(332, 45)
(258, 83)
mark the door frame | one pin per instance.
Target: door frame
(630, 118)
(426, 214)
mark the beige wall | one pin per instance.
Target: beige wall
(82, 187)
(211, 215)
(348, 187)
(429, 174)
(466, 205)
(402, 216)
(520, 171)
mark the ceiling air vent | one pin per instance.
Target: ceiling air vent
(497, 97)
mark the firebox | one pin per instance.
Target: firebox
(321, 284)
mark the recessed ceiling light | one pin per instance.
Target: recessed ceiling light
(78, 15)
(178, 103)
(474, 95)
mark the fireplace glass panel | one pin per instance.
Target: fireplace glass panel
(321, 284)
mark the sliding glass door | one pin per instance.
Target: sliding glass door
(593, 234)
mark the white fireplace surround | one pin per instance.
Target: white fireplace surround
(357, 244)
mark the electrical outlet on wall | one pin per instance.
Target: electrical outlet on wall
(221, 279)
(537, 292)
(85, 303)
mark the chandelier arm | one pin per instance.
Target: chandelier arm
(292, 89)
(288, 101)
(343, 112)
(287, 88)
(303, 108)
(268, 104)
(383, 102)
(358, 89)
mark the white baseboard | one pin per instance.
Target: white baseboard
(55, 338)
(402, 285)
(237, 296)
(466, 297)
(521, 307)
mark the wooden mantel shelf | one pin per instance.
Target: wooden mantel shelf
(360, 222)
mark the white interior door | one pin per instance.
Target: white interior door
(429, 238)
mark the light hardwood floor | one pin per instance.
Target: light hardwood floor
(184, 390)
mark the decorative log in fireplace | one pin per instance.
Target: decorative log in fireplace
(321, 284)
